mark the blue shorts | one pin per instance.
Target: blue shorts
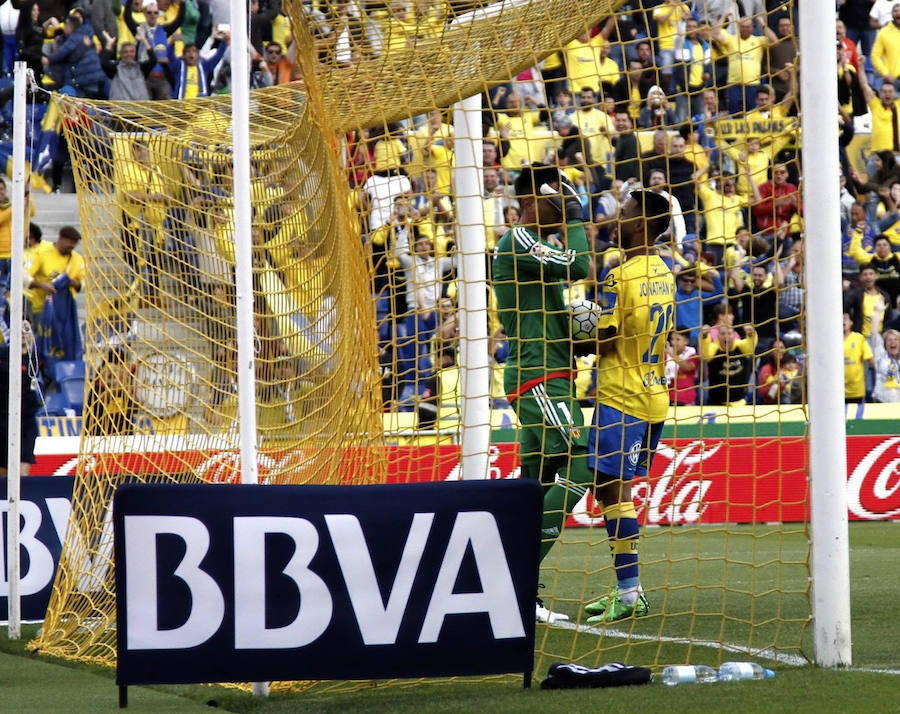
(621, 445)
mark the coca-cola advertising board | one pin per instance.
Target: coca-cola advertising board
(708, 480)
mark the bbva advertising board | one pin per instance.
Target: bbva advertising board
(44, 507)
(262, 583)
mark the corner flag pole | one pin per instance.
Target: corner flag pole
(14, 413)
(830, 565)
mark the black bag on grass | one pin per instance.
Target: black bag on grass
(563, 675)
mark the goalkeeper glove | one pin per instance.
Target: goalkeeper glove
(565, 200)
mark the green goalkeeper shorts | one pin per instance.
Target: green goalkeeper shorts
(551, 424)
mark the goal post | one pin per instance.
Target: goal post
(830, 564)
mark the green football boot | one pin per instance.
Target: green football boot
(614, 609)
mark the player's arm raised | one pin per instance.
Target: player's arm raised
(539, 257)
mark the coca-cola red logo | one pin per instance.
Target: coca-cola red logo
(873, 489)
(736, 480)
(677, 495)
(225, 467)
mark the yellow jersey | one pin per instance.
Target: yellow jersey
(744, 58)
(389, 153)
(281, 30)
(398, 35)
(883, 125)
(527, 142)
(191, 82)
(6, 227)
(553, 61)
(856, 351)
(596, 126)
(697, 155)
(757, 161)
(886, 51)
(418, 160)
(696, 65)
(638, 300)
(132, 176)
(45, 264)
(667, 18)
(870, 302)
(722, 214)
(581, 66)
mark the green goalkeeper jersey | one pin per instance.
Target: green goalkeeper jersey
(529, 277)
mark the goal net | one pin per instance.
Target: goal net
(357, 248)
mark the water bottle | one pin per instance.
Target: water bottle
(732, 671)
(688, 674)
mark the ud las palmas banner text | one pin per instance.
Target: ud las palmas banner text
(257, 583)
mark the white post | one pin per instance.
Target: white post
(15, 354)
(475, 369)
(243, 245)
(243, 250)
(830, 567)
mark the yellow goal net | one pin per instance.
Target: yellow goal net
(357, 253)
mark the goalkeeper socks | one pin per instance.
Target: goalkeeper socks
(623, 530)
(571, 480)
(559, 501)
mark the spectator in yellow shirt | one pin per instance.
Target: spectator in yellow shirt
(693, 149)
(752, 159)
(51, 261)
(526, 140)
(857, 353)
(723, 211)
(582, 63)
(885, 119)
(886, 52)
(401, 29)
(142, 200)
(745, 52)
(6, 229)
(668, 15)
(772, 123)
(597, 127)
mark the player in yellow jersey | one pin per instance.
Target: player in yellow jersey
(638, 301)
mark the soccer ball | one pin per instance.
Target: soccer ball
(584, 319)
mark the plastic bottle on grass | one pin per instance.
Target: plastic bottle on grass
(688, 674)
(732, 671)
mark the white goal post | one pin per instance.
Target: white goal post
(830, 564)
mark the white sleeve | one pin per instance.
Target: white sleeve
(679, 229)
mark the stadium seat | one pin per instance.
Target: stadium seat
(64, 370)
(55, 404)
(72, 388)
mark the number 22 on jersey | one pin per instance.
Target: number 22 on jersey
(661, 323)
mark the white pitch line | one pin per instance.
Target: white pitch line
(769, 654)
(875, 670)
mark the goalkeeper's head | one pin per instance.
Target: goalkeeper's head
(538, 192)
(644, 217)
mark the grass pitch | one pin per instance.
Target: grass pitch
(690, 586)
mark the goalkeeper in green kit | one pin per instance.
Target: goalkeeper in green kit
(531, 264)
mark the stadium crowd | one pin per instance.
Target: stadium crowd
(697, 100)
